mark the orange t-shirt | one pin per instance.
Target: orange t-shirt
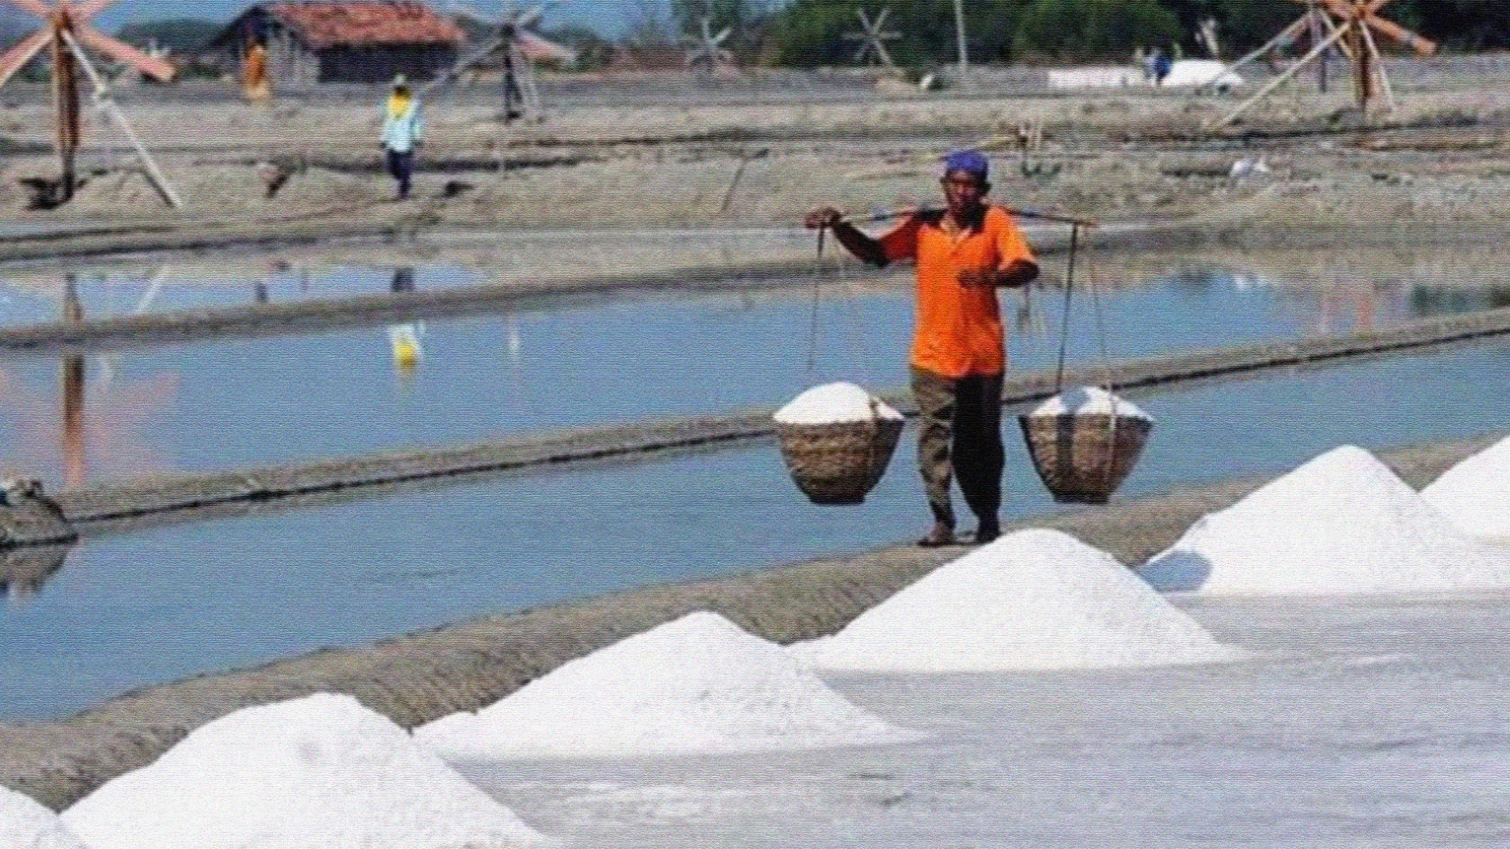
(959, 329)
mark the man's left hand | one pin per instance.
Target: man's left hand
(1018, 273)
(973, 278)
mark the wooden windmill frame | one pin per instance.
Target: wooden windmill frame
(520, 47)
(1351, 26)
(873, 38)
(706, 51)
(66, 30)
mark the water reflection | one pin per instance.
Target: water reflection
(554, 364)
(404, 338)
(94, 436)
(24, 569)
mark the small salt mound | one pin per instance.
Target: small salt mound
(835, 402)
(24, 824)
(1035, 599)
(1341, 523)
(697, 684)
(1475, 493)
(1089, 400)
(321, 772)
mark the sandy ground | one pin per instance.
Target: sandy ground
(1435, 168)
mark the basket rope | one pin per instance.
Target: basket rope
(1064, 331)
(857, 332)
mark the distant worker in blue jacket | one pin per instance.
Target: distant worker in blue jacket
(402, 131)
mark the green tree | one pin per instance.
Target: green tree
(1459, 24)
(183, 36)
(811, 32)
(1077, 30)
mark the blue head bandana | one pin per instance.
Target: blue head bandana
(969, 161)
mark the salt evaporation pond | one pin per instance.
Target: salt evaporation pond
(1341, 523)
(319, 772)
(162, 603)
(1376, 722)
(694, 685)
(1034, 599)
(222, 404)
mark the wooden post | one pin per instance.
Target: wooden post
(65, 93)
(1363, 71)
(73, 393)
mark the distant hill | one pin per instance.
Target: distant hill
(184, 36)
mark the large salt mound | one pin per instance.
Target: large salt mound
(697, 684)
(321, 772)
(1341, 523)
(1475, 494)
(1035, 599)
(24, 824)
(834, 402)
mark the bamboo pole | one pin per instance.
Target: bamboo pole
(103, 100)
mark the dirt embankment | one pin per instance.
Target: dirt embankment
(1300, 168)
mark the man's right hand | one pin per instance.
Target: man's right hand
(823, 216)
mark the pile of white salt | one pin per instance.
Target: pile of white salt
(1089, 400)
(835, 402)
(1341, 523)
(696, 684)
(1035, 599)
(320, 772)
(1475, 494)
(25, 824)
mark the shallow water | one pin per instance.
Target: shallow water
(241, 402)
(159, 604)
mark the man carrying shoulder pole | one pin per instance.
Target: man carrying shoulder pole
(963, 254)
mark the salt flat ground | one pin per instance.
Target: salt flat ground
(1367, 722)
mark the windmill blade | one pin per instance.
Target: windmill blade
(467, 10)
(160, 70)
(531, 17)
(36, 7)
(88, 9)
(16, 58)
(540, 49)
(452, 73)
(1400, 35)
(1389, 29)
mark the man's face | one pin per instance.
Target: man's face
(964, 192)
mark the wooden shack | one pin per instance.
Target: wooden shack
(344, 41)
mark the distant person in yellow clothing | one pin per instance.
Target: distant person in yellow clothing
(254, 82)
(402, 131)
(964, 253)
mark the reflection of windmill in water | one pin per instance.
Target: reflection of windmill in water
(515, 47)
(66, 32)
(45, 432)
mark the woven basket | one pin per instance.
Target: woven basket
(1084, 458)
(839, 462)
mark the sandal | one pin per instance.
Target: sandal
(941, 535)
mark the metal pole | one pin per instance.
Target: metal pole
(959, 34)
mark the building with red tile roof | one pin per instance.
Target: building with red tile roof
(357, 41)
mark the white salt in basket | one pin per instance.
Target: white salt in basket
(837, 440)
(1084, 443)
